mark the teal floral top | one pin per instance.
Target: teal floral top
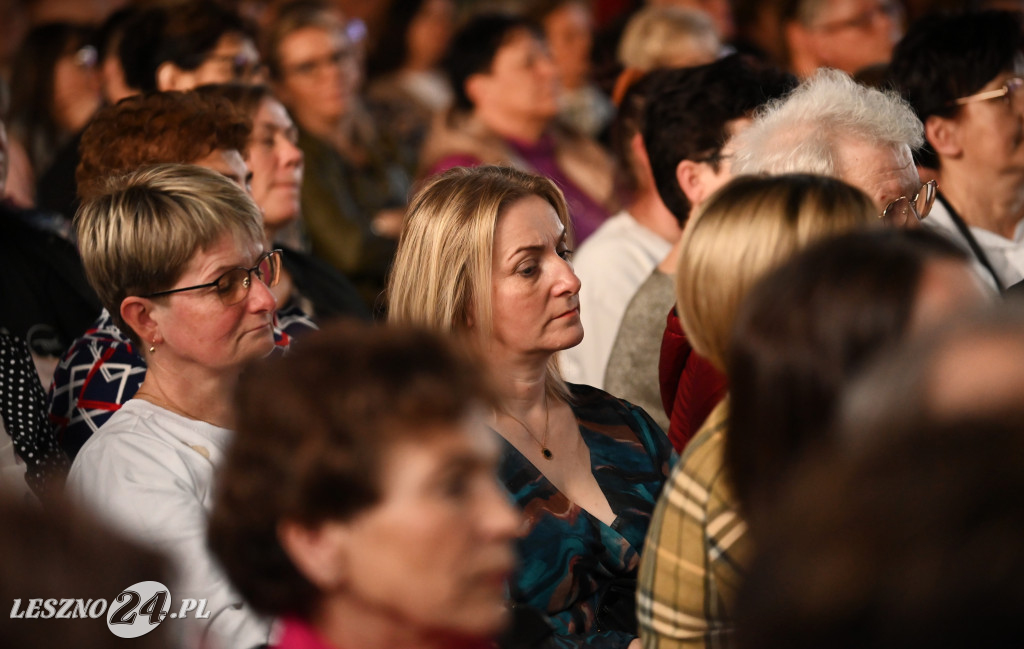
(573, 567)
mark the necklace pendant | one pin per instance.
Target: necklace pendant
(546, 452)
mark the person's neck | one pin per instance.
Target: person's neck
(352, 624)
(649, 211)
(331, 129)
(416, 65)
(508, 127)
(522, 384)
(999, 208)
(203, 396)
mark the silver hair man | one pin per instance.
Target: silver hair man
(833, 126)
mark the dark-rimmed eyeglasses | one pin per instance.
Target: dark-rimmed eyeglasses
(1010, 89)
(715, 158)
(898, 211)
(233, 286)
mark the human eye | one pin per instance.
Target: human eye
(527, 269)
(230, 282)
(305, 68)
(456, 484)
(565, 254)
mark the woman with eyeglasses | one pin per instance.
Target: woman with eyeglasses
(55, 89)
(358, 174)
(177, 255)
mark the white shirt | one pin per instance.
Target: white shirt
(149, 473)
(611, 264)
(1005, 255)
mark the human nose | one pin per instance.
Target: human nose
(546, 66)
(260, 298)
(567, 282)
(291, 154)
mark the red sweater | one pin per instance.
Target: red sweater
(690, 386)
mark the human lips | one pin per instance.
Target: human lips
(287, 185)
(266, 326)
(575, 311)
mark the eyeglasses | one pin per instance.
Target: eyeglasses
(898, 211)
(243, 68)
(863, 21)
(1010, 90)
(714, 159)
(312, 67)
(86, 57)
(233, 286)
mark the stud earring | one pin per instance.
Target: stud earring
(152, 347)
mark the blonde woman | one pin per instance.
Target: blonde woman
(698, 546)
(664, 37)
(484, 255)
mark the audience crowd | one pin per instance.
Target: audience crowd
(556, 324)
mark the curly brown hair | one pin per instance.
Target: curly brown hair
(153, 128)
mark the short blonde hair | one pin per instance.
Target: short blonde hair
(747, 228)
(441, 278)
(658, 37)
(138, 235)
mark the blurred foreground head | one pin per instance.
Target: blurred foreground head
(360, 494)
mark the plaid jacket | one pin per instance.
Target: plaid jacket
(696, 549)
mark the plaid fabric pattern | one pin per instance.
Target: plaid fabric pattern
(696, 549)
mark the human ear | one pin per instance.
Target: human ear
(476, 87)
(641, 160)
(943, 133)
(171, 77)
(320, 552)
(137, 313)
(691, 181)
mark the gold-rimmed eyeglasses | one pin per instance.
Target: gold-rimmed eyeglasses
(898, 211)
(233, 286)
(1010, 89)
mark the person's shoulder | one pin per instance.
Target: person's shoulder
(595, 406)
(703, 459)
(139, 445)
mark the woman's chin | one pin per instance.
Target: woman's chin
(573, 341)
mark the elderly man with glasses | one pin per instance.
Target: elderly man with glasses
(963, 76)
(832, 126)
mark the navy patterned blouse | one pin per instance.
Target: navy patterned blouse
(573, 566)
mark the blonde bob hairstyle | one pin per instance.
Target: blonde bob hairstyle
(138, 234)
(668, 37)
(441, 278)
(745, 229)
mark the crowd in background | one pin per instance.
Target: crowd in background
(525, 323)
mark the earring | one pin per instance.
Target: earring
(152, 347)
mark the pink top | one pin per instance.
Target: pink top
(300, 635)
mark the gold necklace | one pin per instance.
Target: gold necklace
(543, 441)
(162, 402)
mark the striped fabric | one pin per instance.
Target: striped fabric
(695, 552)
